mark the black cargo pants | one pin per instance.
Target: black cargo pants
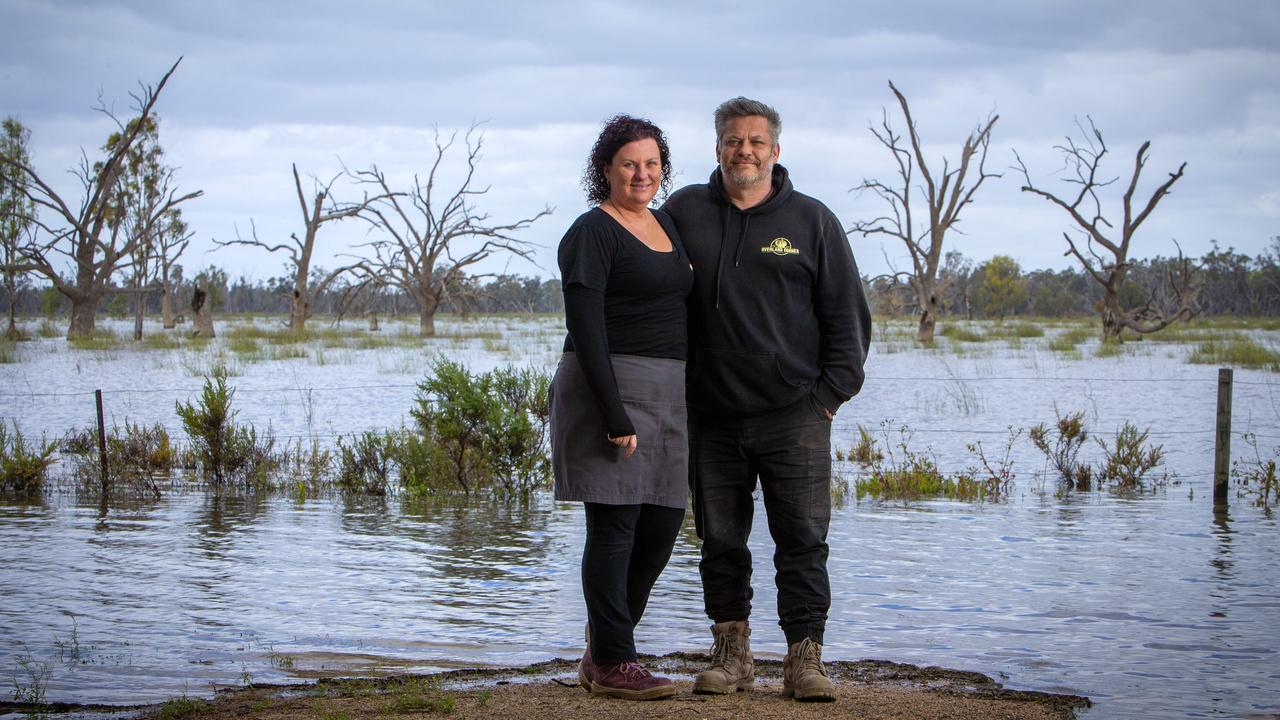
(789, 452)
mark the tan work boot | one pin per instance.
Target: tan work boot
(731, 662)
(803, 676)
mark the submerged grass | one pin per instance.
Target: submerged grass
(100, 340)
(961, 333)
(1019, 330)
(1067, 340)
(167, 340)
(1239, 350)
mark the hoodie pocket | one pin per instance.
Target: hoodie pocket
(741, 381)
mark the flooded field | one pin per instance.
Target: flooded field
(1155, 604)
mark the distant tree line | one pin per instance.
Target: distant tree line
(1230, 283)
(491, 294)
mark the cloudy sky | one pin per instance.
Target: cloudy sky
(326, 83)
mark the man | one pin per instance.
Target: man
(779, 330)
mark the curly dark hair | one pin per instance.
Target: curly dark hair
(618, 131)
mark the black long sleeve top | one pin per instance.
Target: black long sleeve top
(621, 297)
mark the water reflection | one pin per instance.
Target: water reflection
(194, 589)
(1222, 562)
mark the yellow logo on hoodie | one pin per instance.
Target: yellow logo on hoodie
(780, 246)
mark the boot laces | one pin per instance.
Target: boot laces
(810, 656)
(632, 670)
(721, 649)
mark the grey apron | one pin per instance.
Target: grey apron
(589, 468)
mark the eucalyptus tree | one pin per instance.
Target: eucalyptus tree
(1104, 254)
(318, 209)
(430, 236)
(158, 236)
(87, 233)
(944, 195)
(17, 211)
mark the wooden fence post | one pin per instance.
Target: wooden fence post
(1222, 445)
(102, 442)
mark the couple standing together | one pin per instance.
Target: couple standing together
(754, 285)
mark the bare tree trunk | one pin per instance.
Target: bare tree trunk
(373, 322)
(427, 322)
(928, 320)
(166, 305)
(925, 287)
(299, 310)
(11, 287)
(202, 307)
(84, 316)
(139, 309)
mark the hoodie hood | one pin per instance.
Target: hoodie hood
(780, 183)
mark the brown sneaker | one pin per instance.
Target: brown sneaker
(731, 667)
(630, 681)
(803, 676)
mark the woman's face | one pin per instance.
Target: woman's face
(635, 173)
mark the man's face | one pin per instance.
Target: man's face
(746, 151)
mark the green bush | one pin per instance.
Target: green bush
(1129, 460)
(225, 451)
(308, 466)
(1258, 477)
(24, 468)
(365, 464)
(484, 430)
(1061, 445)
(424, 467)
(137, 457)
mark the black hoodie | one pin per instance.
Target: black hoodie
(777, 310)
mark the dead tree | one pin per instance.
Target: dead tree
(322, 209)
(202, 311)
(433, 237)
(171, 242)
(1110, 267)
(85, 235)
(944, 196)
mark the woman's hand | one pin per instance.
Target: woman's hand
(626, 441)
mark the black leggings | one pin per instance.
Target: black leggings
(627, 547)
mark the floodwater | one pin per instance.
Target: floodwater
(1154, 604)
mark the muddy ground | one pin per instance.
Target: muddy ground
(866, 689)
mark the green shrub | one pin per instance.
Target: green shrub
(491, 428)
(424, 466)
(224, 450)
(137, 458)
(1258, 477)
(24, 468)
(308, 466)
(1129, 460)
(864, 451)
(1061, 445)
(365, 464)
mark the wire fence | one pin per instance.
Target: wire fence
(926, 425)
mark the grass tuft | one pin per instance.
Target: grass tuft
(1238, 350)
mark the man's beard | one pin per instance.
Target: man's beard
(749, 175)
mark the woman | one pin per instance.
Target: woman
(619, 441)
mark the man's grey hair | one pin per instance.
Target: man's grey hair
(746, 107)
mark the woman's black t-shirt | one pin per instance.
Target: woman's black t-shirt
(621, 297)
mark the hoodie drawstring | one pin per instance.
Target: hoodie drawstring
(742, 236)
(724, 240)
